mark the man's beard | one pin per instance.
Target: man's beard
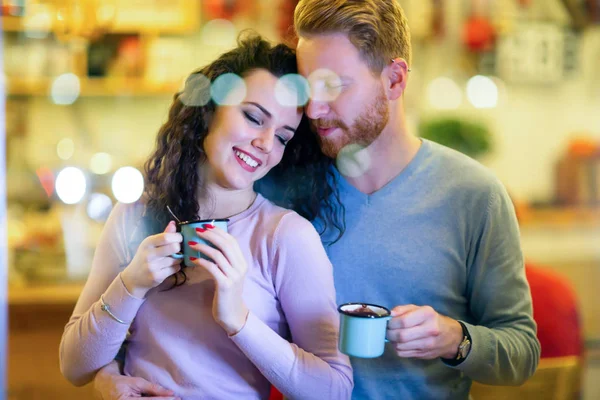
(366, 128)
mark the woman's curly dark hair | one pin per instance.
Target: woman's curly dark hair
(304, 180)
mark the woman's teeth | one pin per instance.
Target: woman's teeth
(245, 158)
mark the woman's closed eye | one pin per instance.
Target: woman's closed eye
(253, 119)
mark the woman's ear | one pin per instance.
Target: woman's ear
(396, 76)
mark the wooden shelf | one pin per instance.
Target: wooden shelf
(561, 217)
(63, 293)
(91, 87)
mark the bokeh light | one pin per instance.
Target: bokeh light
(353, 160)
(443, 93)
(99, 207)
(100, 163)
(325, 85)
(482, 92)
(70, 185)
(219, 32)
(127, 184)
(37, 22)
(292, 90)
(196, 92)
(65, 149)
(65, 89)
(228, 90)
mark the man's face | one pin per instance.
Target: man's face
(348, 104)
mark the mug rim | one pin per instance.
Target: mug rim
(196, 221)
(363, 316)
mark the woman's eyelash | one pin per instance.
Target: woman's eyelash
(283, 140)
(252, 118)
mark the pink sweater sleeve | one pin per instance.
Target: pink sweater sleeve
(311, 367)
(92, 338)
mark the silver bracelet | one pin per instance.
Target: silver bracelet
(106, 307)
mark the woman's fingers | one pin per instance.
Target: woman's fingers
(223, 241)
(218, 258)
(212, 268)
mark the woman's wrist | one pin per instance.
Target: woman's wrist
(236, 327)
(134, 291)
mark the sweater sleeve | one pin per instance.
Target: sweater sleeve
(92, 338)
(311, 367)
(505, 349)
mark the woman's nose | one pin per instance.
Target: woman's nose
(265, 141)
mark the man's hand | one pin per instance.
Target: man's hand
(111, 385)
(420, 332)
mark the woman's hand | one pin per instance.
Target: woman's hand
(228, 271)
(152, 264)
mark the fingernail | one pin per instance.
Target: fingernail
(201, 230)
(193, 258)
(192, 243)
(209, 226)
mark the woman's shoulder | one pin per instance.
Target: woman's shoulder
(287, 225)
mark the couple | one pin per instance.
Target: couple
(420, 228)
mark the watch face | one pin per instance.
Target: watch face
(464, 348)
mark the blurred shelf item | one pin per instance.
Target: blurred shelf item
(561, 217)
(90, 87)
(52, 294)
(12, 24)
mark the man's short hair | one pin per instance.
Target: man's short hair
(377, 28)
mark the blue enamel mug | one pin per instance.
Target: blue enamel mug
(188, 230)
(362, 329)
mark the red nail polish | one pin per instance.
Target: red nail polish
(192, 243)
(193, 258)
(201, 230)
(209, 226)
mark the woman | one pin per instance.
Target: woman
(220, 329)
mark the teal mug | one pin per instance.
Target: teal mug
(362, 329)
(188, 230)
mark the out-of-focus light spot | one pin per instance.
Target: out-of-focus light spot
(99, 207)
(127, 184)
(292, 90)
(353, 160)
(46, 178)
(482, 92)
(65, 89)
(100, 163)
(444, 93)
(37, 21)
(502, 90)
(196, 92)
(228, 90)
(70, 185)
(65, 149)
(219, 32)
(325, 85)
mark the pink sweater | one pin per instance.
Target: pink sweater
(289, 340)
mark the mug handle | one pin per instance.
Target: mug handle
(177, 256)
(388, 321)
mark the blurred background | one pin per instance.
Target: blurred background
(512, 83)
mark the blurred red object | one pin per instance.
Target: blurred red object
(556, 312)
(479, 34)
(583, 147)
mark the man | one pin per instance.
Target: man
(429, 233)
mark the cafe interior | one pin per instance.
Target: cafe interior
(514, 84)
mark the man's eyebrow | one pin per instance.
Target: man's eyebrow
(268, 114)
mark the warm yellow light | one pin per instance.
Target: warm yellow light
(100, 163)
(65, 149)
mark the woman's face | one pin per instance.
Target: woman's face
(245, 141)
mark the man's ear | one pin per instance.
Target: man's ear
(396, 77)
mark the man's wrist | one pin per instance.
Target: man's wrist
(456, 334)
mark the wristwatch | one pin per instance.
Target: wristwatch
(465, 345)
(463, 348)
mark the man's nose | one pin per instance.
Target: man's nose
(316, 109)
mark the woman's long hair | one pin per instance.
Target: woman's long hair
(303, 180)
